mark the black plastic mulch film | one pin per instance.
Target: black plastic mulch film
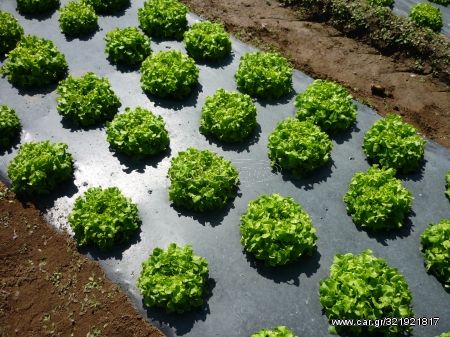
(245, 296)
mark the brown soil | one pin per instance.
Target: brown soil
(47, 288)
(323, 52)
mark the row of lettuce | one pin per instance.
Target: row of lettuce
(424, 14)
(275, 229)
(371, 22)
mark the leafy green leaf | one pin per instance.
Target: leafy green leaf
(201, 180)
(425, 14)
(163, 18)
(36, 6)
(169, 74)
(279, 331)
(229, 116)
(127, 46)
(108, 6)
(207, 41)
(264, 75)
(444, 334)
(174, 279)
(328, 105)
(9, 125)
(34, 62)
(10, 32)
(277, 230)
(77, 18)
(103, 217)
(39, 167)
(376, 200)
(300, 147)
(87, 100)
(138, 133)
(392, 143)
(435, 245)
(365, 287)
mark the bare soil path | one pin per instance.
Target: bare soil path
(323, 52)
(47, 288)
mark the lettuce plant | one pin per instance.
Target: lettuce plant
(39, 167)
(178, 70)
(425, 14)
(10, 32)
(87, 100)
(392, 143)
(376, 200)
(365, 287)
(434, 242)
(36, 6)
(328, 105)
(207, 41)
(127, 46)
(229, 116)
(138, 132)
(300, 147)
(279, 331)
(201, 180)
(9, 125)
(174, 279)
(77, 18)
(103, 217)
(382, 3)
(163, 18)
(34, 62)
(277, 230)
(108, 6)
(264, 75)
(444, 334)
(447, 178)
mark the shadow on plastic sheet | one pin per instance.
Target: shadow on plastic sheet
(40, 16)
(35, 90)
(417, 175)
(156, 40)
(345, 135)
(182, 323)
(124, 68)
(222, 63)
(120, 12)
(308, 181)
(385, 236)
(72, 126)
(290, 273)
(174, 104)
(83, 37)
(211, 218)
(277, 101)
(240, 146)
(14, 145)
(139, 164)
(45, 202)
(439, 279)
(116, 252)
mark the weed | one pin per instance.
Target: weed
(94, 332)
